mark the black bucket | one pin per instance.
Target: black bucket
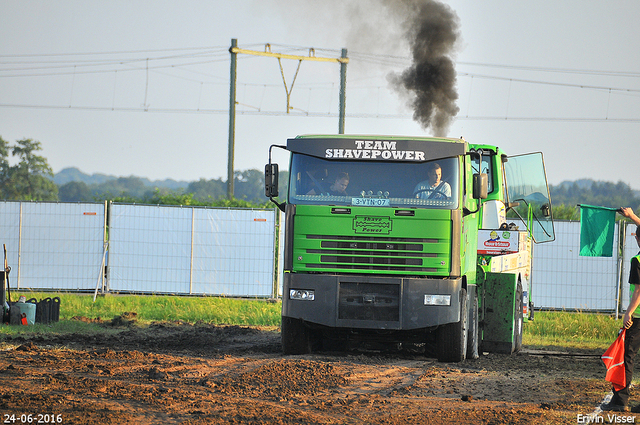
(54, 309)
(3, 297)
(43, 311)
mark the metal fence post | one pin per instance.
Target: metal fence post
(622, 239)
(193, 230)
(108, 221)
(19, 246)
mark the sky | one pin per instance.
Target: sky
(141, 88)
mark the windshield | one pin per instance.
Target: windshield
(527, 185)
(319, 181)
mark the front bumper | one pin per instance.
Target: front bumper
(366, 302)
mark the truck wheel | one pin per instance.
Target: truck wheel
(296, 337)
(474, 331)
(451, 339)
(518, 320)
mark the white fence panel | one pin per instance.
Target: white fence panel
(164, 249)
(234, 252)
(53, 245)
(10, 234)
(149, 248)
(561, 279)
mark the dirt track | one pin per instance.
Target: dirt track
(205, 374)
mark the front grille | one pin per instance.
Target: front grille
(387, 246)
(369, 301)
(370, 260)
(370, 267)
(372, 253)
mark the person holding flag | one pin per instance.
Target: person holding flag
(620, 400)
(628, 212)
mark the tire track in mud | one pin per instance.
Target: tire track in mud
(223, 374)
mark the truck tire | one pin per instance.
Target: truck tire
(518, 319)
(451, 339)
(296, 337)
(473, 336)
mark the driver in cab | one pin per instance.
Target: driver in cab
(434, 188)
(338, 188)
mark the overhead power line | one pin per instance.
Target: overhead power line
(315, 114)
(121, 52)
(555, 70)
(80, 68)
(551, 83)
(354, 55)
(394, 59)
(194, 60)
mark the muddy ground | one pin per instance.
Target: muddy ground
(206, 374)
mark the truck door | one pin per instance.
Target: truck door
(528, 194)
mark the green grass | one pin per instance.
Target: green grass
(549, 329)
(164, 307)
(58, 328)
(150, 308)
(572, 330)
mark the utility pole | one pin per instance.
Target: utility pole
(234, 50)
(343, 91)
(232, 119)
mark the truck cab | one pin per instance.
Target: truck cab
(418, 248)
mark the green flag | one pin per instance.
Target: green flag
(596, 231)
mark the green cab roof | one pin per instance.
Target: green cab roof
(377, 148)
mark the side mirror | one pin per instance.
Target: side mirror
(480, 186)
(271, 180)
(546, 210)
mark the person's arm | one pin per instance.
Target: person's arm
(628, 212)
(447, 190)
(634, 302)
(420, 190)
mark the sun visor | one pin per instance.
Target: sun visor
(364, 149)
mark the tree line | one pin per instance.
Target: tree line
(568, 195)
(248, 187)
(248, 191)
(31, 178)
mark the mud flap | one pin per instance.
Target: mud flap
(499, 307)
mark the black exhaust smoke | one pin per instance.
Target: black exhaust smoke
(429, 84)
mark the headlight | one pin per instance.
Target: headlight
(302, 294)
(437, 299)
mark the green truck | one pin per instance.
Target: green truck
(408, 240)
